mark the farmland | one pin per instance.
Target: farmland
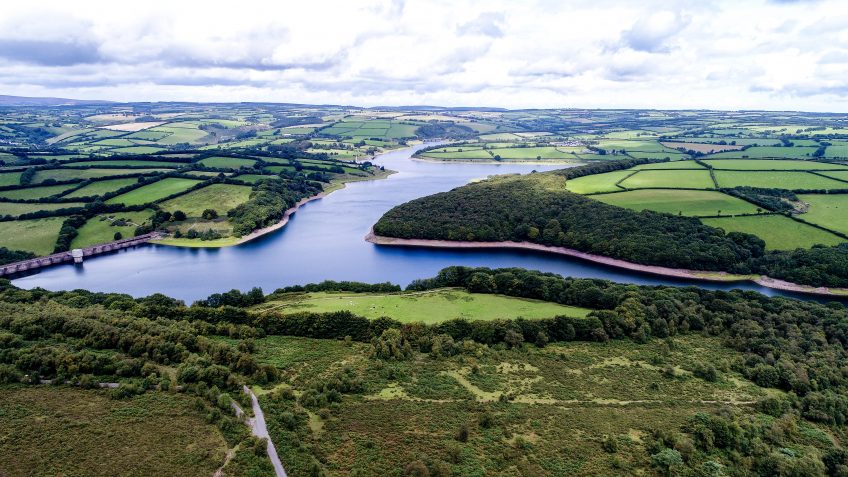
(680, 202)
(220, 197)
(153, 192)
(102, 228)
(778, 232)
(37, 236)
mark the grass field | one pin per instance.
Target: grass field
(68, 174)
(10, 179)
(227, 162)
(694, 179)
(428, 307)
(471, 153)
(773, 164)
(668, 165)
(102, 187)
(37, 236)
(778, 232)
(781, 180)
(769, 151)
(221, 197)
(147, 163)
(841, 175)
(829, 211)
(597, 182)
(18, 208)
(99, 229)
(253, 178)
(153, 192)
(683, 202)
(531, 153)
(63, 431)
(35, 192)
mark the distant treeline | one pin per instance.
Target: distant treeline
(537, 208)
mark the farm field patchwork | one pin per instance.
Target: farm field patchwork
(155, 191)
(667, 165)
(780, 180)
(70, 174)
(773, 164)
(35, 192)
(100, 228)
(19, 208)
(10, 178)
(597, 182)
(98, 188)
(427, 307)
(227, 162)
(769, 151)
(692, 203)
(778, 232)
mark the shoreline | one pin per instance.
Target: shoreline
(534, 162)
(711, 276)
(229, 242)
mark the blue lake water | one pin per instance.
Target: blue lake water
(325, 241)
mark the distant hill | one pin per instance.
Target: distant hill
(6, 100)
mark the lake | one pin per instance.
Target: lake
(325, 241)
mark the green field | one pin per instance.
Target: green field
(773, 164)
(253, 178)
(427, 307)
(37, 236)
(18, 208)
(10, 178)
(780, 180)
(136, 150)
(35, 192)
(146, 163)
(694, 179)
(70, 174)
(778, 232)
(597, 182)
(99, 229)
(63, 431)
(472, 153)
(153, 192)
(679, 202)
(227, 162)
(102, 187)
(531, 153)
(759, 152)
(841, 175)
(668, 165)
(221, 197)
(829, 211)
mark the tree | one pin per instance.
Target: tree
(210, 214)
(118, 236)
(667, 461)
(179, 215)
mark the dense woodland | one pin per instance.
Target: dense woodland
(537, 208)
(794, 346)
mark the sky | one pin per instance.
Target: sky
(742, 54)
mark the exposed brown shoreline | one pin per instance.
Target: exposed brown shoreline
(613, 262)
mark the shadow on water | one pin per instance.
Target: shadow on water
(325, 241)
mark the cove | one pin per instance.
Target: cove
(325, 240)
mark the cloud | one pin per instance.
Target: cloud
(760, 54)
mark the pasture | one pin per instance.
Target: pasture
(428, 307)
(667, 165)
(253, 178)
(37, 236)
(777, 231)
(127, 162)
(220, 197)
(50, 430)
(71, 174)
(155, 191)
(694, 179)
(826, 210)
(780, 180)
(10, 179)
(19, 208)
(693, 203)
(35, 192)
(102, 228)
(597, 182)
(773, 164)
(760, 152)
(98, 188)
(218, 162)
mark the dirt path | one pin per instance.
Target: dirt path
(257, 425)
(613, 262)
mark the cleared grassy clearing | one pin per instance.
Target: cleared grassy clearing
(657, 155)
(99, 229)
(781, 180)
(837, 149)
(773, 164)
(126, 162)
(597, 183)
(705, 148)
(227, 162)
(221, 197)
(428, 307)
(137, 150)
(695, 179)
(253, 178)
(153, 192)
(35, 192)
(692, 203)
(177, 135)
(841, 175)
(37, 236)
(18, 208)
(69, 174)
(102, 187)
(778, 232)
(769, 151)
(829, 211)
(66, 431)
(10, 178)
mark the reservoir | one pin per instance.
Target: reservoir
(325, 241)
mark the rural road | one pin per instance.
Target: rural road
(257, 425)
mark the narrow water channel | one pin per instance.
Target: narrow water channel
(324, 241)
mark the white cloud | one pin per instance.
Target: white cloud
(584, 53)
